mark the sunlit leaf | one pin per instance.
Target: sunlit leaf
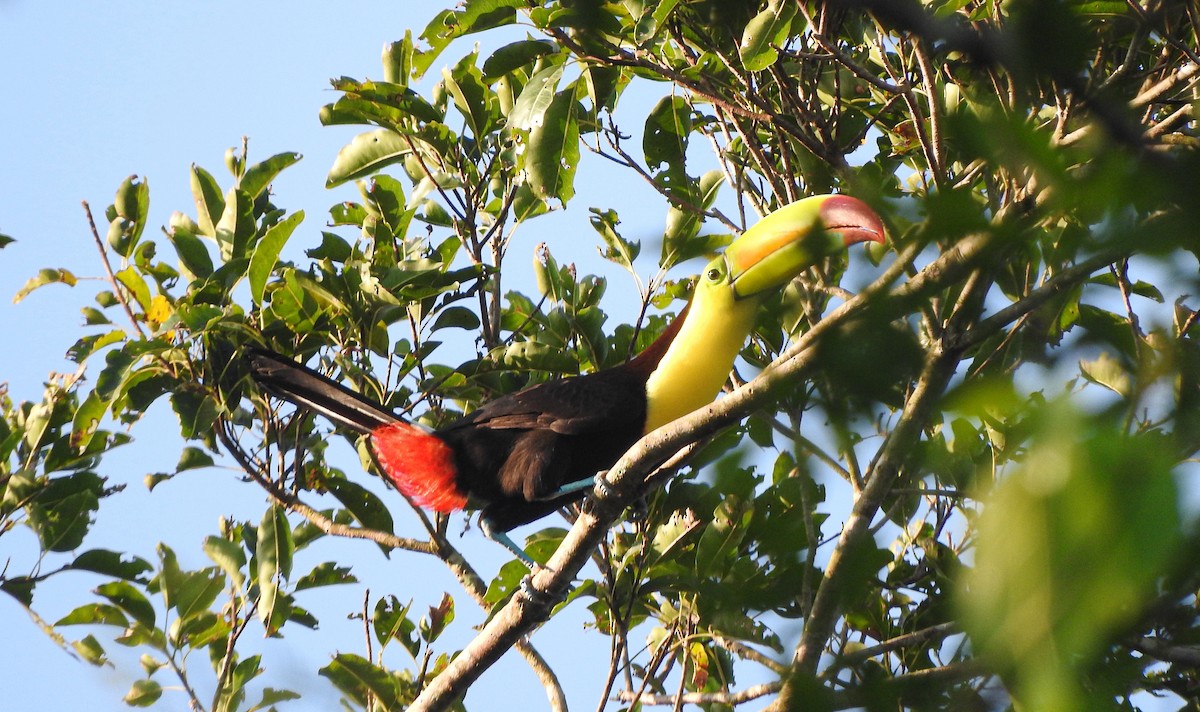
(95, 614)
(210, 203)
(274, 554)
(229, 556)
(44, 277)
(535, 99)
(1108, 372)
(768, 29)
(143, 693)
(365, 154)
(553, 152)
(258, 177)
(1070, 549)
(90, 650)
(266, 253)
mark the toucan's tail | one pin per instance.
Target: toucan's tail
(291, 381)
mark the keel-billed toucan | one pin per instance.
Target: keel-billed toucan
(521, 456)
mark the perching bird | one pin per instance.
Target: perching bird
(522, 456)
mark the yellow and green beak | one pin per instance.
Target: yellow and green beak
(795, 237)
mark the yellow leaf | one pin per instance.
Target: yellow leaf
(160, 310)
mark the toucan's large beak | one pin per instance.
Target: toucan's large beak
(795, 237)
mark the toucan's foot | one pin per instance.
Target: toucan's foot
(601, 486)
(601, 489)
(541, 599)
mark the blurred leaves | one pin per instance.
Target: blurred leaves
(1071, 550)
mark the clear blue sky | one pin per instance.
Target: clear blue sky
(94, 92)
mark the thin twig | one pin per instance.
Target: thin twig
(118, 288)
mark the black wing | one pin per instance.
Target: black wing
(515, 453)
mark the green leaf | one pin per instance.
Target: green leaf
(62, 512)
(603, 86)
(681, 240)
(721, 538)
(1072, 547)
(270, 696)
(258, 177)
(132, 200)
(295, 305)
(618, 249)
(266, 253)
(391, 622)
(398, 60)
(196, 591)
(547, 274)
(199, 629)
(1140, 288)
(136, 286)
(665, 143)
(192, 458)
(193, 253)
(236, 228)
(37, 422)
(535, 99)
(513, 56)
(366, 154)
(209, 201)
(274, 553)
(1106, 371)
(768, 29)
(362, 503)
(112, 563)
(124, 596)
(332, 248)
(447, 26)
(143, 693)
(87, 418)
(94, 317)
(90, 650)
(197, 412)
(325, 574)
(553, 151)
(95, 614)
(120, 236)
(44, 277)
(229, 556)
(456, 318)
(1100, 8)
(83, 349)
(474, 100)
(20, 588)
(389, 216)
(534, 356)
(359, 678)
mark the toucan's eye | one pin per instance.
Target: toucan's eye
(713, 274)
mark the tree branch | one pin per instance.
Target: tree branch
(625, 480)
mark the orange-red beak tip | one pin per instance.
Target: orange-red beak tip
(853, 219)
